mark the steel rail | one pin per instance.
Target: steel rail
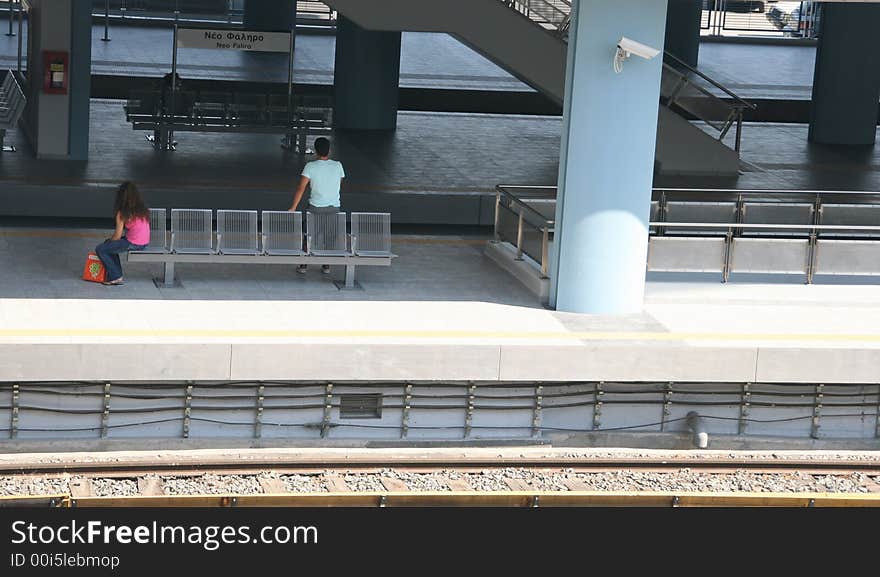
(463, 499)
(227, 465)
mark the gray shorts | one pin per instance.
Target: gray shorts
(323, 209)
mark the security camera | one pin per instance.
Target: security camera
(627, 47)
(637, 48)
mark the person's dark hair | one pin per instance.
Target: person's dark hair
(129, 202)
(322, 146)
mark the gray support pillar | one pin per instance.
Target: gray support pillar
(846, 83)
(276, 15)
(367, 77)
(80, 78)
(57, 124)
(607, 159)
(683, 30)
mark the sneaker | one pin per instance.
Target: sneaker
(301, 269)
(325, 269)
(116, 282)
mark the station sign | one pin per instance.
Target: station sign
(242, 40)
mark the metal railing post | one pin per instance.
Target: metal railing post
(739, 125)
(662, 212)
(728, 252)
(106, 37)
(519, 236)
(11, 16)
(497, 215)
(811, 255)
(545, 251)
(20, 33)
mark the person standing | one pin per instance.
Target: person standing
(132, 231)
(324, 177)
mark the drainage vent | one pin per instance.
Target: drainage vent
(363, 406)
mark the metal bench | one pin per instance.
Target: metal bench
(158, 231)
(237, 240)
(192, 231)
(12, 105)
(237, 232)
(371, 234)
(230, 112)
(282, 233)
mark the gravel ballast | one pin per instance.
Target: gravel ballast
(682, 480)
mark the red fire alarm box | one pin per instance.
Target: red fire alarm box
(55, 72)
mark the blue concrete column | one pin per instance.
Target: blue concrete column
(277, 15)
(367, 77)
(607, 159)
(683, 30)
(846, 83)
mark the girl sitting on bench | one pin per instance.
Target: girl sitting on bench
(132, 231)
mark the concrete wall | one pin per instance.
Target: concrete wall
(437, 411)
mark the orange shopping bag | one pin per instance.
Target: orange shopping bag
(94, 271)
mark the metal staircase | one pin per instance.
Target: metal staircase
(528, 38)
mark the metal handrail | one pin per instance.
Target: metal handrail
(732, 191)
(524, 7)
(517, 196)
(766, 226)
(682, 71)
(743, 191)
(739, 100)
(501, 190)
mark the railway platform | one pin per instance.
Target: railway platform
(443, 311)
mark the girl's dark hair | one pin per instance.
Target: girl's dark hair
(129, 202)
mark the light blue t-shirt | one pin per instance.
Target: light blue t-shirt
(325, 177)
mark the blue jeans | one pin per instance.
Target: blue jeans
(108, 251)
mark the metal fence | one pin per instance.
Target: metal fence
(806, 233)
(766, 18)
(200, 11)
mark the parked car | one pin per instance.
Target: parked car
(803, 21)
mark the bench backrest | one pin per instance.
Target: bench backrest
(371, 233)
(192, 230)
(326, 234)
(237, 232)
(282, 232)
(158, 231)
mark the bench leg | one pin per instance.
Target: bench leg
(350, 282)
(168, 279)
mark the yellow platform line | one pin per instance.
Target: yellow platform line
(434, 334)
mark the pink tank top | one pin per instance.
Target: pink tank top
(138, 230)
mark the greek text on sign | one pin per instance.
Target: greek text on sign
(245, 40)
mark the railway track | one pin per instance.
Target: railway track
(506, 478)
